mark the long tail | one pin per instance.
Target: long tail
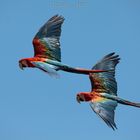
(125, 102)
(120, 100)
(81, 71)
(74, 70)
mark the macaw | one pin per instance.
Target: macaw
(103, 96)
(47, 52)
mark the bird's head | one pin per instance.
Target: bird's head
(84, 97)
(23, 63)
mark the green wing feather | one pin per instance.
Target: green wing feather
(46, 41)
(105, 82)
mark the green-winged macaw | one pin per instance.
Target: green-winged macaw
(103, 96)
(47, 52)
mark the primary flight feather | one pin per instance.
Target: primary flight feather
(47, 52)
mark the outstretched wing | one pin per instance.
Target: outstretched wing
(105, 82)
(46, 41)
(104, 108)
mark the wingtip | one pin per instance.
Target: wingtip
(58, 17)
(112, 56)
(113, 126)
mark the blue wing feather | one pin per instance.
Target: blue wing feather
(105, 110)
(50, 69)
(105, 82)
(52, 28)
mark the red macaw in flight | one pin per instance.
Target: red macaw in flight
(47, 52)
(103, 96)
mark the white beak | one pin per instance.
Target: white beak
(20, 65)
(78, 100)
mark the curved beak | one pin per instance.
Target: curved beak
(21, 67)
(78, 99)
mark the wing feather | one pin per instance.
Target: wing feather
(105, 82)
(46, 41)
(104, 108)
(50, 69)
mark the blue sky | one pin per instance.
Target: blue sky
(34, 106)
